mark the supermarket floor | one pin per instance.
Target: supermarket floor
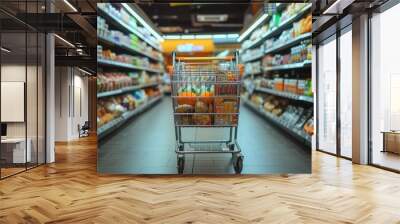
(146, 144)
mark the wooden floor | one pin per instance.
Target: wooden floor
(70, 191)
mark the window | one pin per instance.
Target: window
(346, 93)
(327, 96)
(385, 89)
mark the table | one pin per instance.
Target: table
(13, 150)
(391, 141)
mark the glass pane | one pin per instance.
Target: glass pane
(13, 86)
(346, 94)
(327, 96)
(31, 98)
(385, 83)
(41, 99)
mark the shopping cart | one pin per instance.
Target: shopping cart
(206, 94)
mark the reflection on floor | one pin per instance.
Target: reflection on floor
(386, 159)
(10, 171)
(146, 145)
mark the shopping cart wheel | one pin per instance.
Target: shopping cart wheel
(231, 147)
(238, 164)
(181, 164)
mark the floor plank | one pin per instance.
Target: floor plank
(70, 191)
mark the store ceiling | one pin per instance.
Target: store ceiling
(194, 18)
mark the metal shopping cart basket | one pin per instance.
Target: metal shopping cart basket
(206, 94)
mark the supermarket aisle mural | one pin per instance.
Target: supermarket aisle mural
(135, 119)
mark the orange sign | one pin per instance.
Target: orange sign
(188, 46)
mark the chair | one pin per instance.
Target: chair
(84, 129)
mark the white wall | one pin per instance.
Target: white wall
(71, 102)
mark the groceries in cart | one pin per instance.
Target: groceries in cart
(207, 99)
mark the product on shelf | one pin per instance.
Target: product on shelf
(130, 41)
(115, 80)
(278, 18)
(112, 108)
(309, 126)
(108, 81)
(253, 67)
(122, 15)
(128, 59)
(301, 87)
(296, 118)
(253, 53)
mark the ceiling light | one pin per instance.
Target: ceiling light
(212, 18)
(187, 37)
(5, 50)
(70, 5)
(338, 6)
(141, 20)
(203, 36)
(233, 35)
(64, 40)
(219, 36)
(84, 71)
(252, 27)
(172, 37)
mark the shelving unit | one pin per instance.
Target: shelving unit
(116, 123)
(126, 27)
(299, 65)
(112, 43)
(289, 44)
(110, 66)
(105, 62)
(125, 90)
(292, 96)
(302, 137)
(284, 25)
(294, 71)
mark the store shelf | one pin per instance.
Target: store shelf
(299, 65)
(125, 26)
(116, 123)
(252, 73)
(106, 62)
(280, 28)
(258, 56)
(130, 49)
(299, 135)
(288, 44)
(292, 96)
(124, 90)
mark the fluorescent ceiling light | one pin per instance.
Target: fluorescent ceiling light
(338, 6)
(172, 37)
(219, 36)
(5, 50)
(252, 27)
(233, 35)
(64, 40)
(84, 71)
(141, 20)
(70, 5)
(187, 37)
(203, 36)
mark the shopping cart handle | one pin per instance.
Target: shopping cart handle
(227, 58)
